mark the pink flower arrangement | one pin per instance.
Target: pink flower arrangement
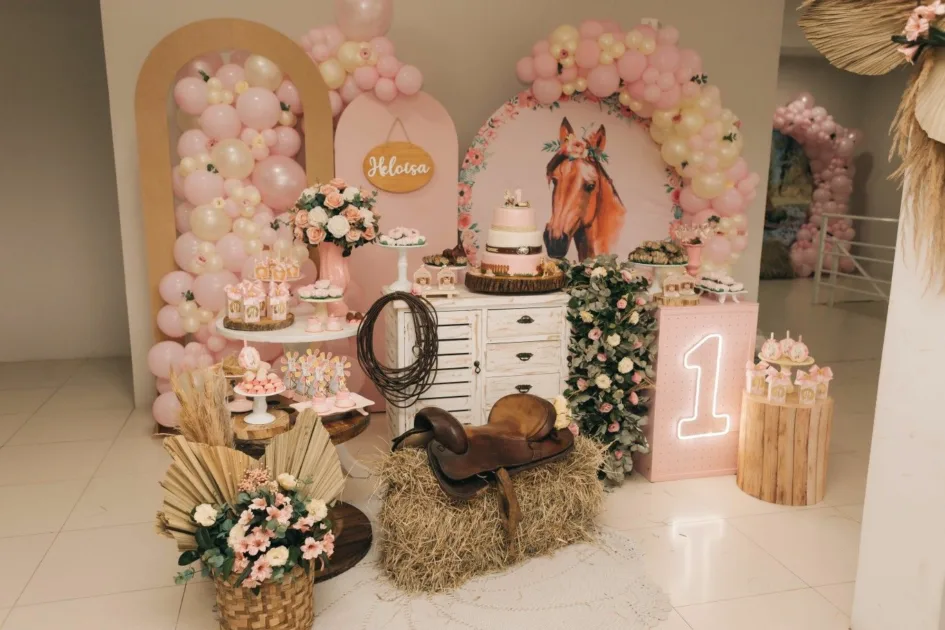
(336, 213)
(621, 304)
(465, 220)
(595, 334)
(573, 428)
(473, 158)
(606, 408)
(315, 234)
(582, 384)
(327, 189)
(613, 427)
(637, 378)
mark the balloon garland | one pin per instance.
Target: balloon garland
(660, 82)
(830, 148)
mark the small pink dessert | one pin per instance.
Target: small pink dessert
(320, 404)
(322, 284)
(314, 325)
(334, 322)
(799, 352)
(771, 349)
(786, 344)
(343, 399)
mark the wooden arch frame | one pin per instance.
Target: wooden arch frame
(155, 79)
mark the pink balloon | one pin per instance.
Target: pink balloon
(603, 80)
(230, 74)
(319, 53)
(689, 58)
(729, 203)
(177, 184)
(651, 76)
(690, 90)
(163, 356)
(163, 385)
(568, 75)
(233, 252)
(239, 57)
(201, 187)
(221, 122)
(258, 108)
(206, 64)
(280, 181)
(363, 19)
(388, 66)
(193, 142)
(349, 90)
(409, 80)
(739, 243)
(185, 249)
(610, 26)
(631, 65)
(546, 66)
(166, 410)
(216, 343)
(208, 289)
(738, 170)
(169, 322)
(666, 81)
(334, 100)
(175, 284)
(385, 90)
(288, 142)
(690, 202)
(541, 47)
(182, 217)
(525, 69)
(806, 99)
(591, 29)
(366, 77)
(546, 91)
(289, 94)
(263, 215)
(382, 46)
(668, 35)
(203, 333)
(268, 351)
(652, 93)
(669, 98)
(232, 209)
(587, 54)
(718, 250)
(190, 94)
(665, 58)
(333, 37)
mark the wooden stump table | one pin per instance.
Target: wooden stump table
(783, 450)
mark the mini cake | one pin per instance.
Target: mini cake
(402, 237)
(314, 325)
(514, 243)
(799, 352)
(334, 323)
(659, 253)
(343, 399)
(771, 349)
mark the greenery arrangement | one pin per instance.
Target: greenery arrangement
(611, 356)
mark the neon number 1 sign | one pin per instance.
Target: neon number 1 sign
(704, 424)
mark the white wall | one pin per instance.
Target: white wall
(901, 575)
(59, 238)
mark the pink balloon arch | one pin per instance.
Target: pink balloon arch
(651, 77)
(830, 148)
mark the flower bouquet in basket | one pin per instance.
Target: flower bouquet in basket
(335, 213)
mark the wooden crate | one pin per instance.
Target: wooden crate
(783, 450)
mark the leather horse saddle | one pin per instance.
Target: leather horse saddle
(520, 434)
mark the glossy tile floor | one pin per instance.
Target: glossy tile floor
(78, 486)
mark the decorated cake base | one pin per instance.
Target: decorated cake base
(487, 283)
(263, 325)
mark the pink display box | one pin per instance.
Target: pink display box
(693, 431)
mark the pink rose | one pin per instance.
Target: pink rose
(573, 428)
(581, 384)
(626, 275)
(606, 408)
(327, 189)
(613, 427)
(594, 334)
(601, 357)
(334, 200)
(675, 196)
(301, 219)
(575, 148)
(353, 236)
(352, 214)
(468, 238)
(315, 234)
(464, 192)
(465, 220)
(634, 399)
(473, 257)
(338, 183)
(636, 378)
(621, 304)
(639, 301)
(473, 158)
(297, 233)
(637, 345)
(369, 233)
(618, 454)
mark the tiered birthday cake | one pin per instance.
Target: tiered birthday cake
(513, 246)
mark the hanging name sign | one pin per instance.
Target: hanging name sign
(399, 166)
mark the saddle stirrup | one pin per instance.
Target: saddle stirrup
(511, 512)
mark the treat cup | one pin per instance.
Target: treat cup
(252, 310)
(755, 382)
(807, 393)
(777, 392)
(234, 306)
(278, 308)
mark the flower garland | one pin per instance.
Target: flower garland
(611, 357)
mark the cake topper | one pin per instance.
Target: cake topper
(509, 199)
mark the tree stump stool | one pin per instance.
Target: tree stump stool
(783, 449)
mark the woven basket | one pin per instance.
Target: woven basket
(286, 605)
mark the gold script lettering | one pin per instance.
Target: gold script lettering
(381, 167)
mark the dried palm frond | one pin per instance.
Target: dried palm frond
(306, 452)
(930, 98)
(856, 35)
(198, 474)
(204, 417)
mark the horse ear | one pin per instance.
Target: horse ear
(598, 139)
(566, 129)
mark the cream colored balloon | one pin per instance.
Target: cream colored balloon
(203, 159)
(624, 98)
(205, 315)
(262, 72)
(215, 97)
(214, 83)
(580, 84)
(186, 122)
(245, 229)
(675, 151)
(636, 105)
(708, 185)
(187, 166)
(691, 122)
(349, 56)
(659, 135)
(697, 158)
(188, 308)
(299, 252)
(728, 154)
(287, 118)
(214, 264)
(606, 59)
(606, 40)
(332, 73)
(233, 158)
(740, 221)
(728, 117)
(633, 40)
(617, 50)
(664, 117)
(190, 324)
(247, 211)
(206, 249)
(648, 47)
(209, 223)
(726, 224)
(568, 89)
(564, 33)
(281, 248)
(253, 246)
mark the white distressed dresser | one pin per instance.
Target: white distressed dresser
(489, 346)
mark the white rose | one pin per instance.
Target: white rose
(309, 192)
(205, 515)
(634, 317)
(602, 381)
(625, 365)
(317, 509)
(287, 481)
(599, 271)
(350, 193)
(237, 534)
(277, 556)
(318, 216)
(613, 340)
(587, 317)
(338, 226)
(367, 216)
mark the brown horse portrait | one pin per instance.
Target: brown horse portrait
(585, 206)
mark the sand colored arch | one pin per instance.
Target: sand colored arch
(155, 80)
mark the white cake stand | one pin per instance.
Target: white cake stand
(402, 283)
(659, 274)
(260, 413)
(321, 304)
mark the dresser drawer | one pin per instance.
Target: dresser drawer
(447, 390)
(542, 385)
(516, 323)
(524, 357)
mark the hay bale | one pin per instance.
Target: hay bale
(431, 543)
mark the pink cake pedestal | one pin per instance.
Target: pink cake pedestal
(700, 376)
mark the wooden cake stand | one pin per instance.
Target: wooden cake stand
(481, 283)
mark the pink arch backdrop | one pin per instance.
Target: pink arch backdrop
(645, 73)
(830, 148)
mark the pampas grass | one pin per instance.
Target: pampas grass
(204, 417)
(431, 543)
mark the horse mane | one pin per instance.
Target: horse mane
(555, 162)
(603, 171)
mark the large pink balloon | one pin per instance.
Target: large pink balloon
(288, 142)
(168, 321)
(385, 89)
(201, 187)
(175, 284)
(525, 69)
(591, 29)
(349, 90)
(603, 80)
(164, 356)
(631, 65)
(546, 91)
(587, 54)
(665, 58)
(221, 122)
(363, 19)
(166, 410)
(182, 217)
(691, 202)
(739, 243)
(718, 250)
(546, 66)
(230, 74)
(289, 94)
(193, 142)
(409, 80)
(729, 203)
(190, 94)
(280, 181)
(366, 77)
(206, 64)
(208, 289)
(185, 249)
(258, 108)
(233, 252)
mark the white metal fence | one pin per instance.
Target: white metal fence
(862, 282)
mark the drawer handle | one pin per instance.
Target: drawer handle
(525, 319)
(476, 365)
(523, 389)
(524, 356)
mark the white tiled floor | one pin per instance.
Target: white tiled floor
(78, 486)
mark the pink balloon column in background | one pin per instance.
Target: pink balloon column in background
(354, 56)
(645, 71)
(830, 148)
